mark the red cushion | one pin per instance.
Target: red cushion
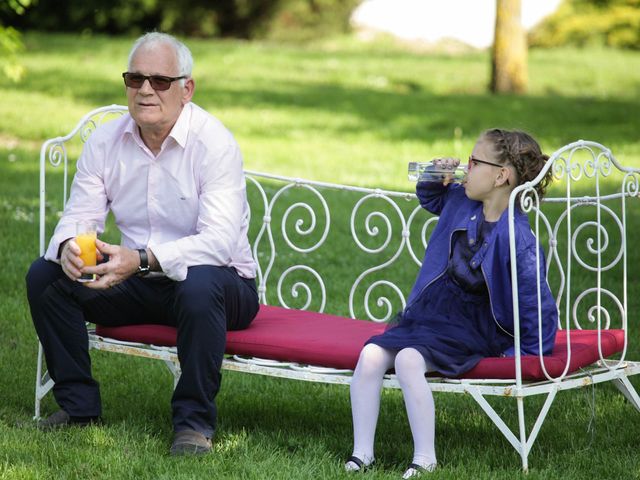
(584, 351)
(277, 333)
(331, 341)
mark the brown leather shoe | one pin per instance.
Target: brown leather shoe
(62, 419)
(190, 442)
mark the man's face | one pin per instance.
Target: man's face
(157, 110)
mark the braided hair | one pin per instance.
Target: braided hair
(522, 151)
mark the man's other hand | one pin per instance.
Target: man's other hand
(123, 262)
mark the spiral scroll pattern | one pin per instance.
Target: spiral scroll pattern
(575, 168)
(92, 123)
(370, 228)
(373, 231)
(302, 286)
(597, 164)
(631, 184)
(431, 221)
(591, 243)
(300, 227)
(593, 310)
(529, 199)
(604, 164)
(57, 154)
(559, 168)
(87, 129)
(382, 301)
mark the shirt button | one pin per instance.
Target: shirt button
(473, 218)
(474, 263)
(471, 241)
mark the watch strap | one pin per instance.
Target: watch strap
(143, 269)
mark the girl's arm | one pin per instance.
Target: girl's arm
(433, 195)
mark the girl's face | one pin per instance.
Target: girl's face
(484, 170)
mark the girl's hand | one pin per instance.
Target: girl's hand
(446, 163)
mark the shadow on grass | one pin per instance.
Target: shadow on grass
(426, 116)
(407, 114)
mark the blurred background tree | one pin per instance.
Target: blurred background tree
(612, 23)
(509, 51)
(10, 40)
(247, 19)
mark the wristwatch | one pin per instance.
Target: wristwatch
(143, 269)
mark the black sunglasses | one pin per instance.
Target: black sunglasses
(157, 82)
(477, 160)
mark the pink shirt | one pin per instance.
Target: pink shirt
(188, 204)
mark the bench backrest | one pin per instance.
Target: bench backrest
(356, 251)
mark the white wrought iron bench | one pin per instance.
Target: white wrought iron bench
(355, 252)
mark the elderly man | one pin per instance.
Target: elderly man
(171, 174)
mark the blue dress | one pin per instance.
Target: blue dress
(450, 323)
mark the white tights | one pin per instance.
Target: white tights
(366, 385)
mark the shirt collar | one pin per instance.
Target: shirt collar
(179, 132)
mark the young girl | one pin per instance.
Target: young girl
(460, 308)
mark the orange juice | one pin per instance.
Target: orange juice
(87, 244)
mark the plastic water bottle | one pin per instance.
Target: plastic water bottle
(429, 172)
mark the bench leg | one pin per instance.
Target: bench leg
(503, 427)
(624, 385)
(540, 420)
(43, 383)
(174, 368)
(524, 444)
(524, 449)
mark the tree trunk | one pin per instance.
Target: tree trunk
(509, 52)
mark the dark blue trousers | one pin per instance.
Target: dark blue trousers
(210, 301)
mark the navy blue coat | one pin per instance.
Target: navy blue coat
(458, 212)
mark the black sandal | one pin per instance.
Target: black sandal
(359, 463)
(418, 470)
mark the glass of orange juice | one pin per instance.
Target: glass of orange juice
(86, 234)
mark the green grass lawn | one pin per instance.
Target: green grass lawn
(336, 111)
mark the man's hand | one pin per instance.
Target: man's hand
(70, 260)
(123, 262)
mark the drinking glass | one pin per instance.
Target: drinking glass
(430, 172)
(86, 235)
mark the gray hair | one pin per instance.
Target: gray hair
(152, 39)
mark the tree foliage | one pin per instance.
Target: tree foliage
(10, 41)
(222, 18)
(311, 18)
(614, 23)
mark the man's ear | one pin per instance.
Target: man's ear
(188, 90)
